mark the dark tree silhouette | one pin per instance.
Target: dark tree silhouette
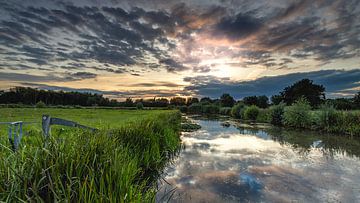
(192, 100)
(262, 101)
(226, 100)
(313, 93)
(250, 100)
(276, 99)
(177, 101)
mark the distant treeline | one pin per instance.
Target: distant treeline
(313, 93)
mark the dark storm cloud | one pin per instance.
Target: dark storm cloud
(239, 26)
(172, 65)
(334, 80)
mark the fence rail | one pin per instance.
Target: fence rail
(15, 129)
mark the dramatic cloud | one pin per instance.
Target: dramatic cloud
(52, 41)
(335, 81)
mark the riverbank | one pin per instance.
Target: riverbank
(120, 163)
(299, 115)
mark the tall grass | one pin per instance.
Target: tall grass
(298, 114)
(115, 165)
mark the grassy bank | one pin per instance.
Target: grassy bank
(299, 115)
(117, 164)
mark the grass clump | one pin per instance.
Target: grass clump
(298, 114)
(113, 165)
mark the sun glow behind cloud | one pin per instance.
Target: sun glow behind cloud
(112, 46)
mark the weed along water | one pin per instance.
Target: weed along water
(256, 163)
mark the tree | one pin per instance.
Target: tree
(357, 100)
(250, 100)
(313, 93)
(129, 102)
(262, 101)
(177, 101)
(226, 100)
(192, 100)
(276, 99)
(205, 100)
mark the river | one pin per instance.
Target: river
(257, 163)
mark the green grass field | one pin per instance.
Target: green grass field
(120, 163)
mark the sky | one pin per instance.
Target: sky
(154, 48)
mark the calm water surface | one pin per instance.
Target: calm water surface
(242, 164)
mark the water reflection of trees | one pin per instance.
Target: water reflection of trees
(305, 141)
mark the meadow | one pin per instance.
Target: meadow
(119, 163)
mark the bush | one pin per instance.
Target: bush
(237, 110)
(277, 114)
(210, 109)
(298, 114)
(40, 104)
(225, 110)
(251, 112)
(195, 108)
(139, 105)
(183, 109)
(264, 116)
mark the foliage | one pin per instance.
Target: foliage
(139, 105)
(298, 114)
(226, 100)
(264, 116)
(40, 104)
(129, 102)
(78, 166)
(225, 111)
(210, 109)
(195, 108)
(342, 103)
(260, 101)
(192, 100)
(178, 101)
(183, 109)
(276, 99)
(313, 93)
(357, 100)
(250, 100)
(327, 117)
(277, 114)
(205, 100)
(237, 110)
(251, 112)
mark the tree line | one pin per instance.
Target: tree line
(313, 93)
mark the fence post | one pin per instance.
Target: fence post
(46, 125)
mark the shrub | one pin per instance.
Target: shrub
(210, 109)
(298, 114)
(195, 108)
(225, 110)
(40, 104)
(139, 105)
(237, 110)
(251, 112)
(264, 116)
(277, 114)
(183, 108)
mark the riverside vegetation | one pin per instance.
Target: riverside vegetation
(302, 105)
(119, 163)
